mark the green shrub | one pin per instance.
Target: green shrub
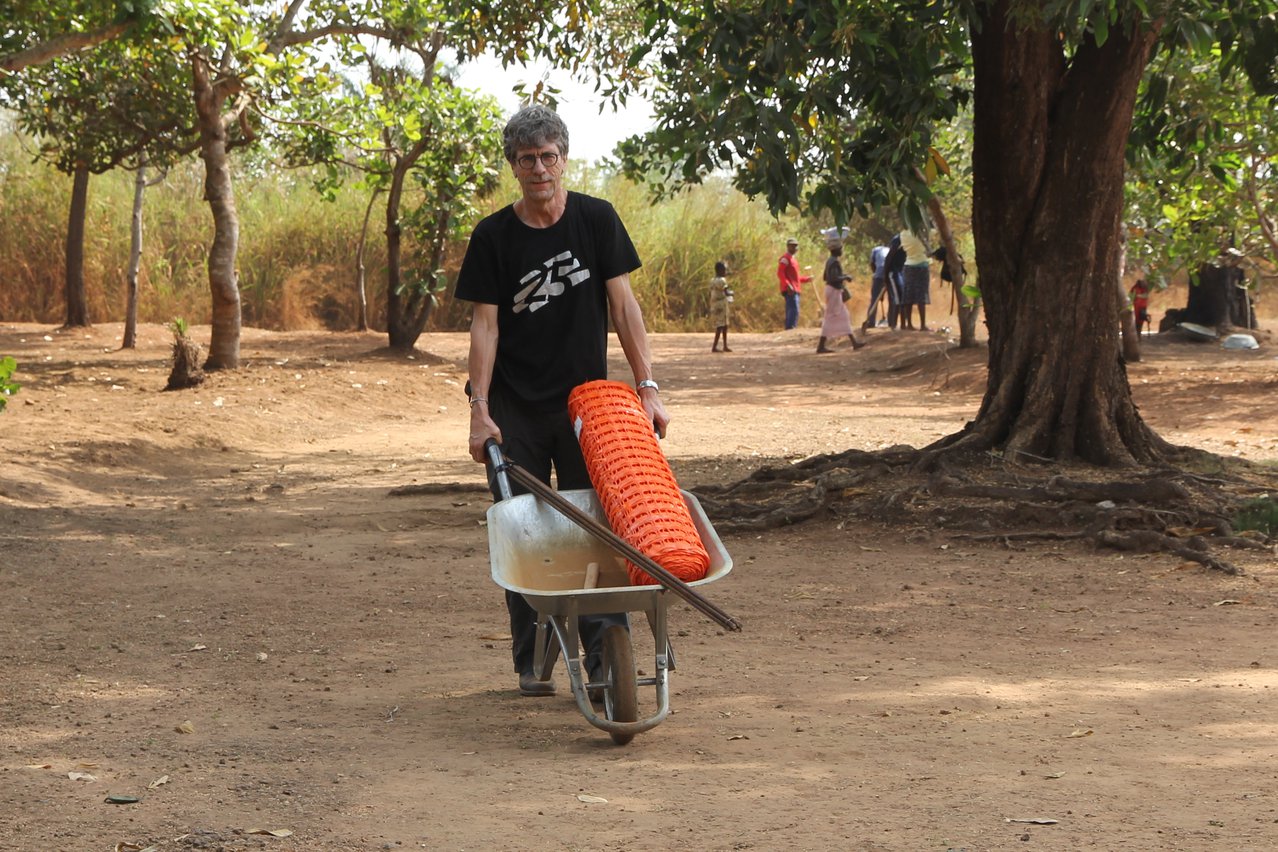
(1260, 514)
(8, 387)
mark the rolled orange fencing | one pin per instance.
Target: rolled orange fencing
(636, 487)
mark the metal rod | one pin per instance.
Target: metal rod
(619, 544)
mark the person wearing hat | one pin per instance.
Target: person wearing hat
(791, 282)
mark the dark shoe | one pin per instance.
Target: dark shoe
(824, 351)
(726, 349)
(857, 344)
(715, 349)
(529, 685)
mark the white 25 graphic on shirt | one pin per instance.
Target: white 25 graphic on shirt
(551, 279)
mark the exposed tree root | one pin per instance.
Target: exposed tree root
(1147, 541)
(982, 496)
(778, 498)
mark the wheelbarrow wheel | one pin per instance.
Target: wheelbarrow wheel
(621, 699)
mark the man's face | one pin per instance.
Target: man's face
(539, 182)
(792, 247)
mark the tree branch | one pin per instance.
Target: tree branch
(59, 46)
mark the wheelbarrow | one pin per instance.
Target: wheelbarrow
(542, 546)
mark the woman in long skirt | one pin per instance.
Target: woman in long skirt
(837, 323)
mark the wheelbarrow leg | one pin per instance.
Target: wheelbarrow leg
(546, 649)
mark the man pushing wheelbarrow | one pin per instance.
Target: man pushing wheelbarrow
(545, 274)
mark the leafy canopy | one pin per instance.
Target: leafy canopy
(833, 106)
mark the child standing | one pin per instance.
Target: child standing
(720, 298)
(1140, 303)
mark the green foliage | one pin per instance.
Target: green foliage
(1202, 167)
(1260, 514)
(179, 327)
(8, 387)
(106, 106)
(833, 107)
(821, 107)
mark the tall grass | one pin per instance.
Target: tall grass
(296, 260)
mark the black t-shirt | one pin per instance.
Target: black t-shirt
(548, 286)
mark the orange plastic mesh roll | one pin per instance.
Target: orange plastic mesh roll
(633, 479)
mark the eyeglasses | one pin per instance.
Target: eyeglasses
(549, 159)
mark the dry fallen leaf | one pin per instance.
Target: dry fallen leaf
(1054, 775)
(163, 779)
(1189, 532)
(737, 737)
(1033, 821)
(591, 800)
(198, 648)
(1227, 602)
(187, 727)
(1079, 732)
(271, 832)
(39, 766)
(81, 776)
(496, 638)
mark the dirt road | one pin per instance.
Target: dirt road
(212, 604)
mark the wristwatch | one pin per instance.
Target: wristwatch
(648, 383)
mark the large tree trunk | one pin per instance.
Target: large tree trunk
(224, 345)
(135, 259)
(1211, 294)
(1049, 141)
(77, 303)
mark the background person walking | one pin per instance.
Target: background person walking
(837, 322)
(791, 282)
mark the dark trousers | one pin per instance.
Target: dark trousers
(893, 288)
(538, 441)
(791, 310)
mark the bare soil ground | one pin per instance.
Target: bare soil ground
(212, 603)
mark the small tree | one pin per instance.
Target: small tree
(432, 149)
(121, 102)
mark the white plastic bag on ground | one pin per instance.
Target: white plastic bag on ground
(1240, 341)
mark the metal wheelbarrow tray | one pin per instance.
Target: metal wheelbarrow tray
(537, 552)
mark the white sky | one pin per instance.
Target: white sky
(592, 135)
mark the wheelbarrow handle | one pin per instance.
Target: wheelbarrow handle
(498, 461)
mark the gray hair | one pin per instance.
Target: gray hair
(533, 126)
